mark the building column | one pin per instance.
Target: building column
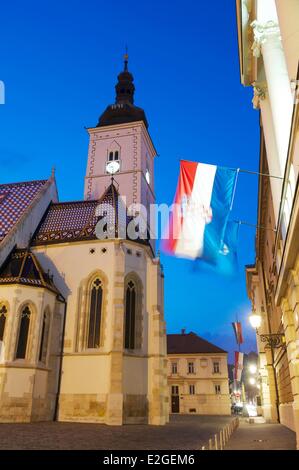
(114, 413)
(158, 394)
(269, 389)
(13, 326)
(288, 15)
(267, 41)
(268, 405)
(289, 306)
(261, 100)
(271, 385)
(36, 332)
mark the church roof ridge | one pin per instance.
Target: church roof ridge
(22, 183)
(16, 200)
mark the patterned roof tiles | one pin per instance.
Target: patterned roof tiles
(22, 267)
(67, 221)
(15, 198)
(76, 221)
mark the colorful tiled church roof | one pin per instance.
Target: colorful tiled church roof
(22, 267)
(76, 221)
(15, 199)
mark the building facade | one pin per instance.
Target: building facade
(269, 53)
(197, 376)
(82, 327)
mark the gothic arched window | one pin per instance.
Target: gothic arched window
(44, 338)
(3, 314)
(130, 315)
(113, 152)
(133, 312)
(95, 314)
(23, 333)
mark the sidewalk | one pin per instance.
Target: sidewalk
(262, 437)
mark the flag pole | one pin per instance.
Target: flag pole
(261, 174)
(250, 172)
(234, 190)
(259, 227)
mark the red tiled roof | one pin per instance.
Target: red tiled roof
(190, 343)
(15, 198)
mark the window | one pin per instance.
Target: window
(23, 333)
(3, 313)
(133, 312)
(44, 338)
(130, 314)
(191, 369)
(217, 389)
(91, 312)
(174, 368)
(192, 389)
(174, 390)
(95, 314)
(113, 156)
(216, 367)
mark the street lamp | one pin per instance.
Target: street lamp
(252, 368)
(252, 381)
(255, 320)
(273, 341)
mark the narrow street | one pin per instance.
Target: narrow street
(262, 437)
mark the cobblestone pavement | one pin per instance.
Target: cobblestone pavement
(183, 432)
(262, 437)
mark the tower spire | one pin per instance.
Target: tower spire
(123, 110)
(125, 87)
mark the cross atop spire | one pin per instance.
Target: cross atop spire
(126, 59)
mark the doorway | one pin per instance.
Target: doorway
(175, 399)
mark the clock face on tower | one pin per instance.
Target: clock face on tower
(112, 167)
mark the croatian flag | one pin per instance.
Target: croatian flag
(200, 212)
(238, 332)
(238, 365)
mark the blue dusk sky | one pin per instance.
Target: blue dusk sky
(59, 62)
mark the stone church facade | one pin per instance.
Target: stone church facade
(82, 328)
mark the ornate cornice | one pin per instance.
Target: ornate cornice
(259, 94)
(263, 31)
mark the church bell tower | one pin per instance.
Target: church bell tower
(120, 146)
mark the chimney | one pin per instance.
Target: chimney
(183, 332)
